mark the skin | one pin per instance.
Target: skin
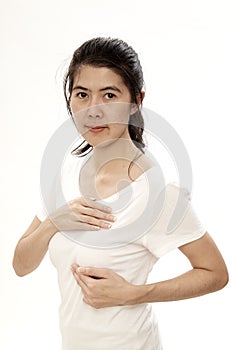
(33, 245)
(100, 97)
(209, 272)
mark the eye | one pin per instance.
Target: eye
(110, 95)
(81, 95)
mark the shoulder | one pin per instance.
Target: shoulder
(140, 166)
(174, 190)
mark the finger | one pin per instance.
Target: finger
(80, 280)
(96, 213)
(85, 226)
(94, 271)
(93, 221)
(93, 204)
(74, 267)
(86, 280)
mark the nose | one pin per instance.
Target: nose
(95, 107)
(95, 111)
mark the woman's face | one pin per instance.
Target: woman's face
(100, 104)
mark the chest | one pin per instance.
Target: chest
(101, 185)
(132, 261)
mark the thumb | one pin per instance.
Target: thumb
(74, 267)
(94, 271)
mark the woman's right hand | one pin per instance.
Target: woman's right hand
(82, 214)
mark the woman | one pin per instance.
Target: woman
(104, 292)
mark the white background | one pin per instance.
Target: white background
(185, 49)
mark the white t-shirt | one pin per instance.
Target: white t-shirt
(120, 327)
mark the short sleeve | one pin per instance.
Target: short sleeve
(56, 183)
(40, 210)
(177, 225)
(46, 199)
(41, 213)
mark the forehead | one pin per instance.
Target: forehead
(96, 77)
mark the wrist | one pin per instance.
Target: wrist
(138, 294)
(49, 228)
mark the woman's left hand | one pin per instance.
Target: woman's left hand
(103, 287)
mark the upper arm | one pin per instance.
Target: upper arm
(28, 253)
(32, 227)
(204, 254)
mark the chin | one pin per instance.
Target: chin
(101, 143)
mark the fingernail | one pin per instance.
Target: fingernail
(108, 209)
(74, 267)
(81, 269)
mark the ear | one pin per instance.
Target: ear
(140, 97)
(139, 100)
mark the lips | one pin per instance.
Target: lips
(96, 128)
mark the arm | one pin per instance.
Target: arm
(209, 274)
(78, 214)
(33, 246)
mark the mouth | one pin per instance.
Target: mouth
(96, 128)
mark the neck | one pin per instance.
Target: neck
(107, 153)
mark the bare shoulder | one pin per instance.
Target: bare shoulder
(140, 165)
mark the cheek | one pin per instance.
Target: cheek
(73, 105)
(118, 112)
(79, 117)
(78, 124)
(77, 106)
(116, 130)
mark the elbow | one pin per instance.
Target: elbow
(20, 272)
(20, 269)
(225, 280)
(221, 279)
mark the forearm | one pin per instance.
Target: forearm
(193, 283)
(31, 250)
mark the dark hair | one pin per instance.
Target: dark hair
(121, 58)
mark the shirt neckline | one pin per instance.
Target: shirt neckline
(137, 180)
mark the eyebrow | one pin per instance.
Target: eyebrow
(113, 88)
